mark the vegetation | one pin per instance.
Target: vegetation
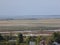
(19, 28)
(1, 38)
(24, 40)
(54, 38)
(20, 38)
(17, 25)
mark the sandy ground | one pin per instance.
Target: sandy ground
(41, 22)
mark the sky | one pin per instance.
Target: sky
(11, 8)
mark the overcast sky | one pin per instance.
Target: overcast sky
(29, 7)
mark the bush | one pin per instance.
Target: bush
(56, 37)
(1, 37)
(20, 38)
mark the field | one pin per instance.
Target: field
(39, 24)
(10, 31)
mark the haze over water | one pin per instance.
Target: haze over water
(29, 9)
(30, 16)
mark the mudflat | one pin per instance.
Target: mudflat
(24, 24)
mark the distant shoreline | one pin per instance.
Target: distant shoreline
(29, 17)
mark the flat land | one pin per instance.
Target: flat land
(39, 24)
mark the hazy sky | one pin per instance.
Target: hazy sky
(29, 7)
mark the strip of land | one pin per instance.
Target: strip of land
(40, 24)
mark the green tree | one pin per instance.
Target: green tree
(56, 37)
(1, 37)
(20, 38)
